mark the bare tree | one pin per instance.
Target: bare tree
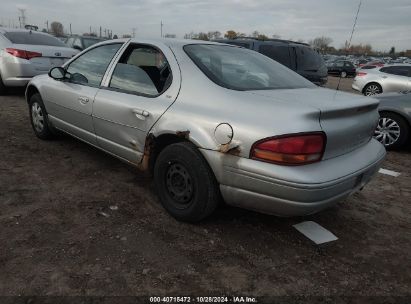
(321, 43)
(213, 35)
(202, 36)
(57, 28)
(255, 34)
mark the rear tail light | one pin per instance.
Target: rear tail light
(361, 74)
(22, 53)
(291, 150)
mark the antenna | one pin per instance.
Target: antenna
(352, 34)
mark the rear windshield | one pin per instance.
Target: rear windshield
(90, 41)
(308, 59)
(241, 69)
(33, 38)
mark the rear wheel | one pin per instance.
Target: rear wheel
(185, 183)
(372, 89)
(392, 131)
(2, 87)
(343, 74)
(39, 119)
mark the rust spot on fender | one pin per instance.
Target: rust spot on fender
(148, 146)
(230, 148)
(184, 134)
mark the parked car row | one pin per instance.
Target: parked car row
(188, 145)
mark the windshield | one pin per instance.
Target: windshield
(33, 38)
(90, 41)
(241, 69)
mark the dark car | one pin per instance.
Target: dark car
(341, 68)
(297, 56)
(82, 42)
(394, 127)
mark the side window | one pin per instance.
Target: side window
(339, 64)
(396, 70)
(143, 70)
(280, 54)
(90, 67)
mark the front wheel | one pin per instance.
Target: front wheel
(39, 119)
(392, 131)
(185, 183)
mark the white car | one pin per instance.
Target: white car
(25, 53)
(390, 78)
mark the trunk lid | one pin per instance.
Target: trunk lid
(348, 120)
(51, 56)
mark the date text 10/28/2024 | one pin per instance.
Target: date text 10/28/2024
(232, 299)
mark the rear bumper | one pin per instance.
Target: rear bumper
(16, 81)
(294, 191)
(16, 72)
(354, 86)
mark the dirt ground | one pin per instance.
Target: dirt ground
(75, 221)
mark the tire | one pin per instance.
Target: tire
(343, 74)
(372, 89)
(186, 186)
(392, 131)
(39, 119)
(2, 87)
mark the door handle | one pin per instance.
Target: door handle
(83, 99)
(140, 114)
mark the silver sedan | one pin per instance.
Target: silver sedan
(390, 78)
(24, 54)
(212, 121)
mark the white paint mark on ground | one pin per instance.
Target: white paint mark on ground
(315, 232)
(389, 172)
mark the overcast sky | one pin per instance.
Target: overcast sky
(382, 23)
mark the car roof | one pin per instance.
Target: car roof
(263, 41)
(170, 42)
(397, 64)
(88, 37)
(4, 30)
(8, 30)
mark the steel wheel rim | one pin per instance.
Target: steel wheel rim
(37, 117)
(388, 131)
(372, 90)
(179, 184)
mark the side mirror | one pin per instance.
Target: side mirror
(57, 73)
